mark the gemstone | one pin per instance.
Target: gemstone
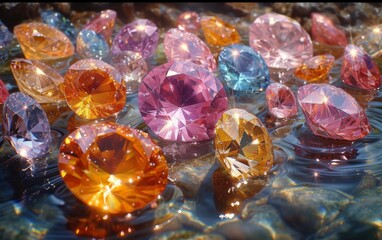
(3, 92)
(6, 38)
(57, 20)
(281, 101)
(181, 101)
(243, 145)
(140, 36)
(281, 41)
(218, 32)
(132, 67)
(94, 89)
(324, 31)
(40, 41)
(316, 68)
(243, 69)
(112, 168)
(187, 47)
(359, 70)
(370, 39)
(332, 113)
(91, 44)
(25, 126)
(103, 24)
(37, 80)
(189, 21)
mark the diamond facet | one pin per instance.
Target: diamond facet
(57, 20)
(281, 101)
(25, 126)
(316, 68)
(332, 113)
(281, 41)
(189, 21)
(243, 145)
(91, 44)
(37, 80)
(218, 32)
(370, 39)
(324, 31)
(187, 47)
(103, 24)
(93, 89)
(3, 92)
(112, 167)
(243, 69)
(140, 36)
(181, 101)
(40, 41)
(359, 69)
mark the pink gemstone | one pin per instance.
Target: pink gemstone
(181, 101)
(280, 40)
(189, 21)
(187, 47)
(140, 36)
(103, 24)
(3, 92)
(359, 69)
(332, 113)
(324, 31)
(281, 101)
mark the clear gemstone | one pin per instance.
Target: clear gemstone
(370, 39)
(316, 68)
(281, 41)
(332, 113)
(189, 21)
(281, 101)
(91, 44)
(187, 47)
(57, 20)
(243, 69)
(181, 101)
(25, 126)
(103, 24)
(324, 31)
(3, 92)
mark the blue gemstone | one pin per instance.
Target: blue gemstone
(91, 44)
(6, 38)
(243, 69)
(57, 20)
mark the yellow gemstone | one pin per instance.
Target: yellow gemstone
(243, 145)
(40, 41)
(94, 89)
(112, 167)
(315, 69)
(220, 33)
(37, 80)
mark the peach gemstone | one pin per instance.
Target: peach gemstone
(281, 101)
(316, 68)
(220, 33)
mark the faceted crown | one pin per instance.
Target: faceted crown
(218, 32)
(316, 68)
(281, 101)
(324, 31)
(57, 20)
(189, 21)
(103, 24)
(91, 44)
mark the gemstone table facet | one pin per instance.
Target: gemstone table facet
(103, 24)
(243, 69)
(181, 101)
(189, 21)
(57, 20)
(218, 32)
(112, 168)
(187, 47)
(91, 44)
(37, 80)
(281, 101)
(243, 145)
(281, 41)
(94, 89)
(324, 31)
(331, 112)
(316, 68)
(140, 36)
(25, 126)
(3, 92)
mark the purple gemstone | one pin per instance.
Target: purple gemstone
(181, 101)
(25, 126)
(139, 36)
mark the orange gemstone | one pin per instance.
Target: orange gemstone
(43, 42)
(218, 32)
(316, 68)
(94, 89)
(112, 167)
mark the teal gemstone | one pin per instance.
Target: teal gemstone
(57, 20)
(243, 69)
(91, 44)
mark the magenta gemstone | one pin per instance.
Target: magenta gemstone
(332, 113)
(281, 101)
(189, 21)
(187, 47)
(139, 36)
(359, 69)
(3, 92)
(280, 40)
(181, 101)
(324, 31)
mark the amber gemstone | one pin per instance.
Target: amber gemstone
(94, 89)
(315, 69)
(220, 33)
(112, 167)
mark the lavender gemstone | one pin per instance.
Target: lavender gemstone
(25, 126)
(57, 20)
(139, 36)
